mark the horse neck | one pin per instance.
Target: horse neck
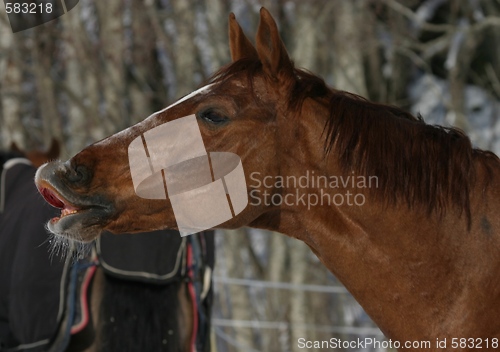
(415, 273)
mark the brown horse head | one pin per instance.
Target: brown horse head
(244, 110)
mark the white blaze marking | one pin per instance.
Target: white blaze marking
(203, 89)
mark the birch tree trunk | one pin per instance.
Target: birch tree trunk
(349, 71)
(184, 48)
(277, 300)
(113, 75)
(43, 56)
(146, 87)
(216, 35)
(10, 87)
(78, 124)
(458, 62)
(234, 248)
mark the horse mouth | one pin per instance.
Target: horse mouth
(79, 219)
(57, 201)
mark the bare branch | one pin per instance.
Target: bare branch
(416, 19)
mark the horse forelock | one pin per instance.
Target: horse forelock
(249, 66)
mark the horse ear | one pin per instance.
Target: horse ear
(15, 148)
(54, 150)
(270, 48)
(239, 45)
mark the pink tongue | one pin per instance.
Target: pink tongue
(51, 198)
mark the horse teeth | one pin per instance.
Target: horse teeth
(68, 212)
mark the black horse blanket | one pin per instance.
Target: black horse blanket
(24, 260)
(35, 290)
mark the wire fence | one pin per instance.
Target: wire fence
(225, 328)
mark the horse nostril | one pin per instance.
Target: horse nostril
(79, 174)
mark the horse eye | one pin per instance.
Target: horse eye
(212, 117)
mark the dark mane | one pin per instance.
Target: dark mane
(423, 164)
(142, 312)
(419, 163)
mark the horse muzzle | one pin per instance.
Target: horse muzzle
(83, 215)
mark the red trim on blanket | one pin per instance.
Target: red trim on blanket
(84, 301)
(192, 294)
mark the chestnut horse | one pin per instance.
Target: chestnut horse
(405, 214)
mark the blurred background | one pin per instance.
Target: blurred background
(109, 64)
